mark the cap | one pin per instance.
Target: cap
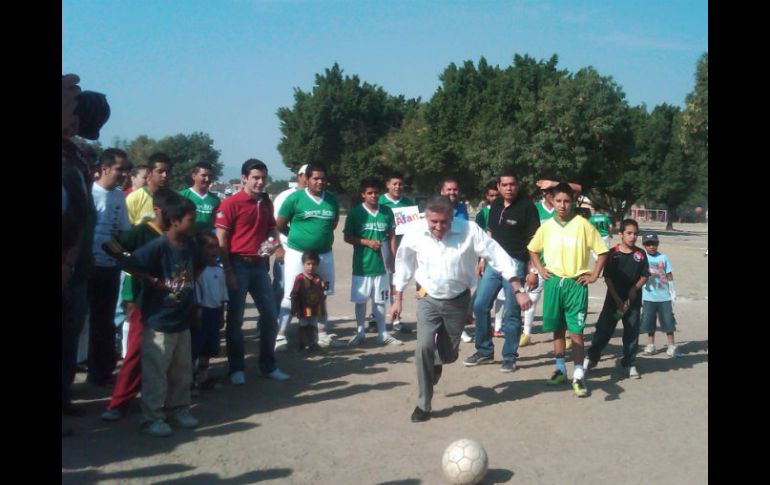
(649, 238)
(93, 112)
(302, 170)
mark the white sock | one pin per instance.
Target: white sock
(360, 317)
(378, 309)
(283, 320)
(578, 373)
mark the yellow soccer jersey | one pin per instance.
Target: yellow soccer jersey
(139, 206)
(566, 248)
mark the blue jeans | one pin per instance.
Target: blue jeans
(254, 280)
(486, 292)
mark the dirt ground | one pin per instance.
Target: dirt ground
(343, 418)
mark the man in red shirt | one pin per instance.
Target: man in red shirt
(243, 222)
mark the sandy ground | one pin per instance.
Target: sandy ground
(343, 418)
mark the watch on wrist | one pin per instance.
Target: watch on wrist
(521, 290)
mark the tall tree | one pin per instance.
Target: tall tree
(694, 134)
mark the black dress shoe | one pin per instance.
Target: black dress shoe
(437, 370)
(419, 415)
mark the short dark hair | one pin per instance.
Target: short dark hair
(563, 187)
(446, 179)
(507, 172)
(491, 185)
(395, 175)
(314, 167)
(162, 196)
(136, 168)
(311, 256)
(109, 157)
(252, 164)
(175, 209)
(628, 222)
(440, 203)
(156, 158)
(369, 182)
(201, 166)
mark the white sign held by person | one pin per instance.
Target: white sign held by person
(405, 215)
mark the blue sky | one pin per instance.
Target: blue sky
(224, 67)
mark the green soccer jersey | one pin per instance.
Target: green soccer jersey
(601, 222)
(377, 226)
(204, 208)
(482, 218)
(311, 222)
(544, 213)
(384, 201)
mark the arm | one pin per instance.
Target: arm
(369, 243)
(533, 223)
(223, 236)
(619, 303)
(634, 291)
(282, 225)
(586, 278)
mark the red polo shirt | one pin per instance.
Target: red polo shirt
(247, 220)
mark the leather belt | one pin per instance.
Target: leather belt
(248, 259)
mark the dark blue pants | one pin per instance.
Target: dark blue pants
(103, 289)
(606, 326)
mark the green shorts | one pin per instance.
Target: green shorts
(565, 302)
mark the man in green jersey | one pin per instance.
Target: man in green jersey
(370, 228)
(308, 217)
(603, 224)
(205, 202)
(490, 194)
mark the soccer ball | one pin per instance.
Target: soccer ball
(464, 462)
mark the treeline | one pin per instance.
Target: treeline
(531, 115)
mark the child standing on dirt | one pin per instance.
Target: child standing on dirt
(625, 273)
(658, 296)
(308, 301)
(210, 296)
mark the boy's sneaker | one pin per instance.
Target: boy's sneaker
(589, 364)
(277, 375)
(158, 428)
(649, 349)
(524, 340)
(388, 339)
(359, 339)
(673, 351)
(477, 359)
(113, 414)
(465, 337)
(633, 373)
(557, 378)
(579, 386)
(184, 419)
(281, 344)
(328, 340)
(508, 366)
(238, 378)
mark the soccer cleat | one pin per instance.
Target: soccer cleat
(649, 349)
(465, 337)
(477, 359)
(508, 366)
(358, 339)
(388, 339)
(589, 364)
(557, 378)
(524, 340)
(579, 386)
(673, 351)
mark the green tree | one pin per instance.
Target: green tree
(338, 124)
(276, 187)
(694, 133)
(183, 150)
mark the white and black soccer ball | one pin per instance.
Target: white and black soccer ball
(464, 462)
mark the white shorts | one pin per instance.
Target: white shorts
(292, 266)
(363, 288)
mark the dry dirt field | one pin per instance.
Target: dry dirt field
(343, 418)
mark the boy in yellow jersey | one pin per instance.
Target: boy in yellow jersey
(566, 241)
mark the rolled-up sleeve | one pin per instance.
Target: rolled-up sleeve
(489, 249)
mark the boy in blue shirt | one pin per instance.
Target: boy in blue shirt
(658, 296)
(168, 267)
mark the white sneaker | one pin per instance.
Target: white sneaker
(281, 344)
(359, 339)
(388, 339)
(465, 337)
(158, 428)
(649, 349)
(184, 419)
(238, 378)
(633, 373)
(328, 340)
(277, 375)
(673, 351)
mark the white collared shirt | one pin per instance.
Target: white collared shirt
(447, 267)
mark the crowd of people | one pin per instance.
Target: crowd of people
(176, 268)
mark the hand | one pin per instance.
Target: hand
(523, 300)
(373, 244)
(395, 310)
(279, 253)
(586, 279)
(622, 307)
(530, 281)
(480, 268)
(545, 274)
(232, 282)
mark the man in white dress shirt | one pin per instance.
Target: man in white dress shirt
(441, 254)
